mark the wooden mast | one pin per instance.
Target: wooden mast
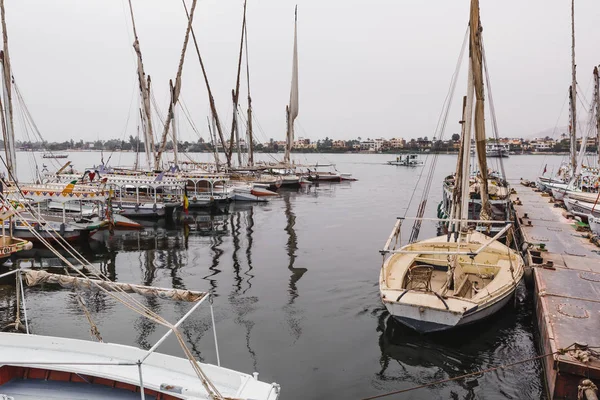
(176, 89)
(573, 95)
(597, 101)
(235, 94)
(211, 99)
(144, 83)
(8, 131)
(174, 126)
(292, 109)
(250, 139)
(477, 68)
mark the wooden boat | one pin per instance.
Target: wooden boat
(465, 276)
(425, 291)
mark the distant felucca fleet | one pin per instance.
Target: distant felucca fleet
(74, 203)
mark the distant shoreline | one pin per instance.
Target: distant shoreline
(550, 153)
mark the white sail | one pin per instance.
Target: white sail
(292, 109)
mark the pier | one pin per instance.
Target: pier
(565, 270)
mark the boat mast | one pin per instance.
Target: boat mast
(8, 132)
(235, 94)
(176, 89)
(292, 109)
(250, 139)
(597, 101)
(145, 96)
(455, 211)
(211, 99)
(476, 62)
(174, 125)
(573, 94)
(213, 141)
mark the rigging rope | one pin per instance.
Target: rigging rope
(476, 373)
(492, 108)
(121, 295)
(438, 135)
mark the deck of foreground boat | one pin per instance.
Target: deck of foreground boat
(566, 275)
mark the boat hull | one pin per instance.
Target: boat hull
(432, 320)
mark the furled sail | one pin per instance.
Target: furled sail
(292, 109)
(476, 64)
(37, 277)
(144, 83)
(8, 131)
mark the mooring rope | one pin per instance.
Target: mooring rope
(492, 369)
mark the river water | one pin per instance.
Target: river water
(296, 286)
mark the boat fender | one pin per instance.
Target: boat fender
(154, 207)
(62, 229)
(137, 207)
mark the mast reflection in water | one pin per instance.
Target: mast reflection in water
(292, 314)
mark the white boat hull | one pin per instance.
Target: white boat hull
(434, 320)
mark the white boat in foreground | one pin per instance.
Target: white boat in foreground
(38, 366)
(35, 366)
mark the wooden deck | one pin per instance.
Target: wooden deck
(566, 274)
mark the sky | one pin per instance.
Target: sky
(378, 68)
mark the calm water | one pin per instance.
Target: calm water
(296, 282)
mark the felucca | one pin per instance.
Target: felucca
(460, 278)
(559, 183)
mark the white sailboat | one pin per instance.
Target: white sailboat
(449, 281)
(557, 184)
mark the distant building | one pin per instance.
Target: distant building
(397, 143)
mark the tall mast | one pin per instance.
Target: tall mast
(213, 141)
(455, 210)
(466, 150)
(9, 132)
(573, 94)
(292, 108)
(597, 101)
(176, 89)
(211, 99)
(250, 144)
(145, 96)
(477, 68)
(235, 97)
(174, 125)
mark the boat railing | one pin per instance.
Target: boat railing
(395, 238)
(91, 284)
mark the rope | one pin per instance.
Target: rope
(492, 369)
(121, 296)
(438, 135)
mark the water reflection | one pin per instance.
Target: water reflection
(243, 305)
(410, 359)
(292, 313)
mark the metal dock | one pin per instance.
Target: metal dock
(566, 275)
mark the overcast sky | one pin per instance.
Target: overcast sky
(378, 68)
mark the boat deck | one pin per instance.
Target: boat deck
(40, 389)
(566, 274)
